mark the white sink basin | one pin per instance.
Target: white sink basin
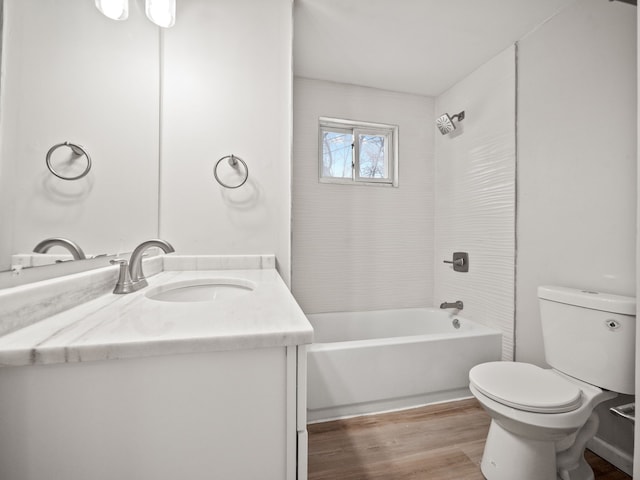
(201, 290)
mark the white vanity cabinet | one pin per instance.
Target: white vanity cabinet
(228, 415)
(135, 387)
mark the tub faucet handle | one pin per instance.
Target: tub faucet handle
(460, 261)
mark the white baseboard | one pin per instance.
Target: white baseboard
(612, 454)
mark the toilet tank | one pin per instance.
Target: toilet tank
(590, 336)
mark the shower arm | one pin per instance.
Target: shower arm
(458, 116)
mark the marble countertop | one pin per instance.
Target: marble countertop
(128, 326)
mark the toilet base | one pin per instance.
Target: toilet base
(508, 456)
(571, 462)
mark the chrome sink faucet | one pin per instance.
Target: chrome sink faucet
(131, 278)
(73, 247)
(457, 304)
(135, 262)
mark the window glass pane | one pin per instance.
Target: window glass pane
(373, 159)
(354, 152)
(336, 154)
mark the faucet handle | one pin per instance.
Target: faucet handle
(460, 261)
(124, 283)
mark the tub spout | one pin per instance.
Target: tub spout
(457, 304)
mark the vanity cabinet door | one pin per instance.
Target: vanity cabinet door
(219, 415)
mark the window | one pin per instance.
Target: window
(358, 152)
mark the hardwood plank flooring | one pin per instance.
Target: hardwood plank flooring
(436, 442)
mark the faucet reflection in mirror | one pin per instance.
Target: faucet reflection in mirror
(73, 247)
(160, 12)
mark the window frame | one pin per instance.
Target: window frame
(390, 132)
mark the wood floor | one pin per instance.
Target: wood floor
(437, 442)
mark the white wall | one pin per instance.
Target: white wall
(577, 171)
(71, 74)
(227, 90)
(362, 247)
(576, 159)
(636, 452)
(475, 196)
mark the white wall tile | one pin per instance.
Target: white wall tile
(362, 247)
(475, 196)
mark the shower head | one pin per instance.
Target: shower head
(445, 122)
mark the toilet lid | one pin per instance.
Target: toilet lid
(525, 387)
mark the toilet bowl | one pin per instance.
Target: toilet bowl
(541, 421)
(542, 418)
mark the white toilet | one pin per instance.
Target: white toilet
(541, 419)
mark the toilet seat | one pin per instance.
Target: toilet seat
(526, 387)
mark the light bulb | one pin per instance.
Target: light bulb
(114, 9)
(161, 12)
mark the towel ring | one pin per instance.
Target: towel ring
(233, 161)
(77, 150)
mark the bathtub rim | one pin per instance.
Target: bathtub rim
(476, 330)
(404, 340)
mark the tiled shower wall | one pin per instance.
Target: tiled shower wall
(368, 248)
(357, 247)
(475, 196)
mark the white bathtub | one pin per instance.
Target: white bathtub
(366, 362)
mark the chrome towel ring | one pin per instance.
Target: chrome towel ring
(233, 161)
(78, 151)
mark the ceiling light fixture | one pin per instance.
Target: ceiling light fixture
(161, 12)
(114, 9)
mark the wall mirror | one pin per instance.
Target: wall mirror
(69, 74)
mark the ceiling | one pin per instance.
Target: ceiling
(414, 46)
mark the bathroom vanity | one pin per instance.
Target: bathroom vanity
(162, 383)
